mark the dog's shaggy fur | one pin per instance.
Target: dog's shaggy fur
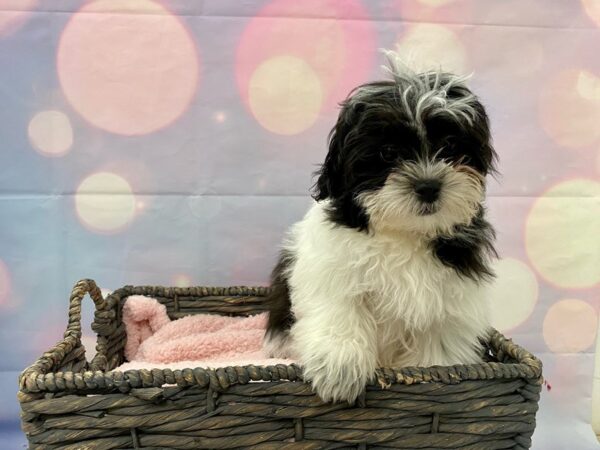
(389, 266)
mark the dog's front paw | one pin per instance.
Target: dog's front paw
(277, 345)
(336, 377)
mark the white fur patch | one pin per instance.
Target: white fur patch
(427, 94)
(396, 207)
(362, 301)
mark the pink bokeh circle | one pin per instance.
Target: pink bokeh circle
(330, 52)
(129, 67)
(14, 13)
(5, 284)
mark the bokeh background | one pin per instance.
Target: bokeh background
(172, 142)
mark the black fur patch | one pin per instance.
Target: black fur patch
(470, 249)
(356, 161)
(278, 301)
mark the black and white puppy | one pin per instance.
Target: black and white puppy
(390, 264)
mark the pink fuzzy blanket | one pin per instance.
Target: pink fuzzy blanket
(201, 340)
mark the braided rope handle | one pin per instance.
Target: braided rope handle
(53, 358)
(79, 291)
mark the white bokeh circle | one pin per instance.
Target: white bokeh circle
(105, 202)
(562, 234)
(513, 294)
(50, 133)
(285, 95)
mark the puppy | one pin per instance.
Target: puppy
(390, 264)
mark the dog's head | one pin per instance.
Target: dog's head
(408, 154)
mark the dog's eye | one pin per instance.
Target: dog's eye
(449, 152)
(452, 154)
(388, 153)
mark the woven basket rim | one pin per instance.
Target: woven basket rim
(33, 379)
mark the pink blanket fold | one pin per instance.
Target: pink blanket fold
(201, 340)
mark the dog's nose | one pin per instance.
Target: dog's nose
(428, 190)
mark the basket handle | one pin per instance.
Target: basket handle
(79, 291)
(54, 358)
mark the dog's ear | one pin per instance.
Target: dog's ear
(481, 129)
(331, 178)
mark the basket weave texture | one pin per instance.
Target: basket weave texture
(70, 403)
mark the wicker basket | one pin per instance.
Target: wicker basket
(69, 403)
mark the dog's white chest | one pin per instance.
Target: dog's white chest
(407, 284)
